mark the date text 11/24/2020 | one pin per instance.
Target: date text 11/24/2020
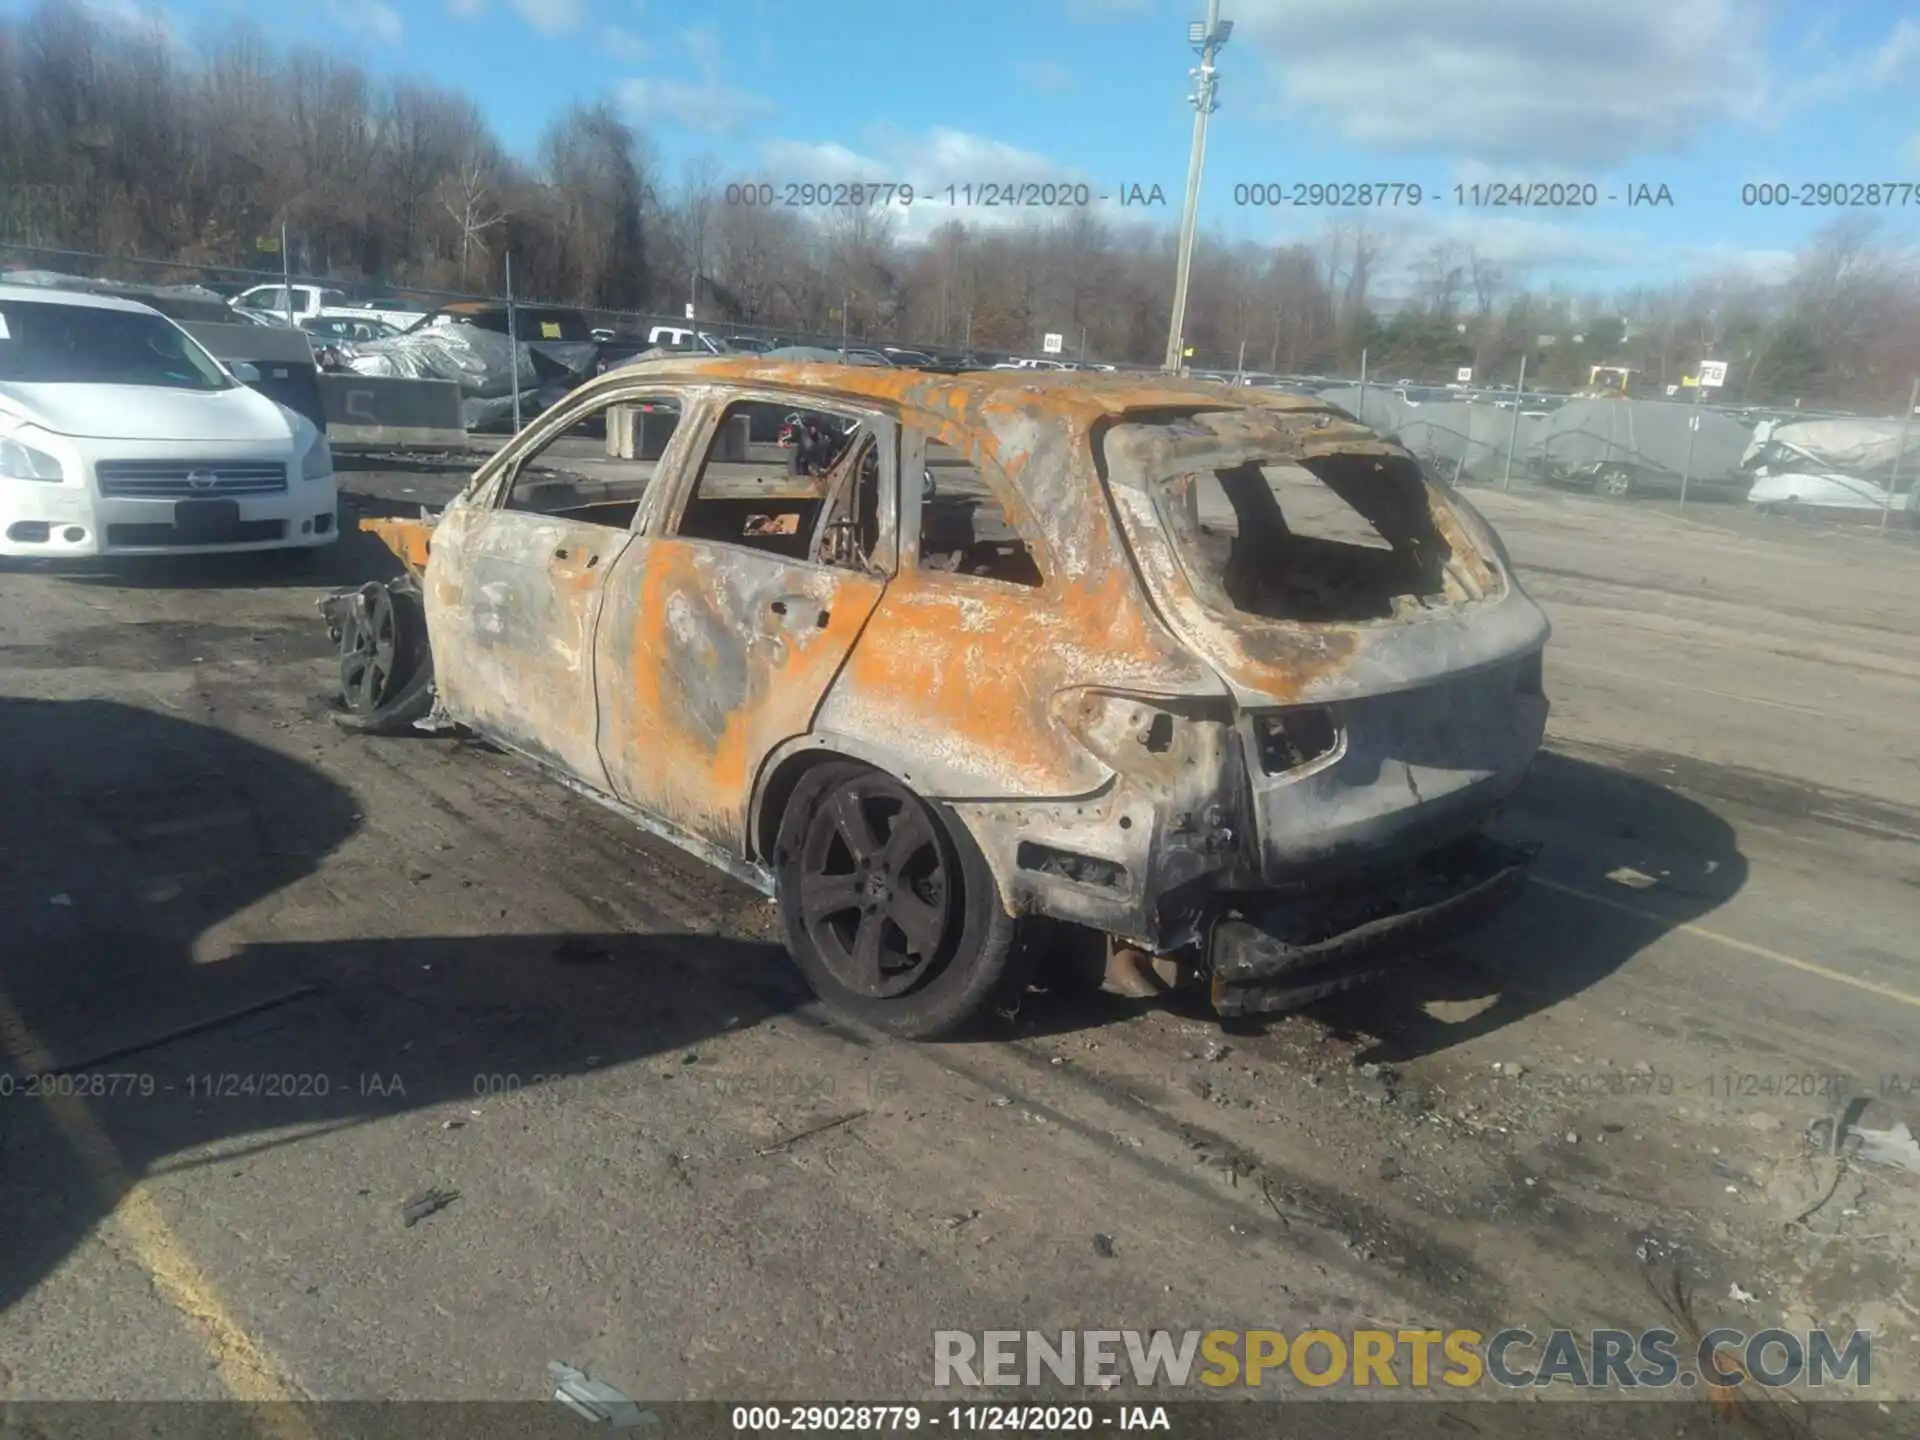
(1016, 194)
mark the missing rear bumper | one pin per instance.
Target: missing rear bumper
(1288, 953)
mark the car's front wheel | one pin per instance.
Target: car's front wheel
(1616, 483)
(386, 658)
(890, 909)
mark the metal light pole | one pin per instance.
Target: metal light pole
(286, 273)
(513, 345)
(1693, 433)
(1906, 428)
(1207, 37)
(1513, 437)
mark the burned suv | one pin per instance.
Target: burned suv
(1210, 677)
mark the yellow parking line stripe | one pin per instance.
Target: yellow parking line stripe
(246, 1371)
(1793, 962)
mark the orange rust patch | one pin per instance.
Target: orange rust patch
(702, 677)
(969, 669)
(411, 540)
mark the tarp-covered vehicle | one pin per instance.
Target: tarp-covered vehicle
(1839, 465)
(1623, 447)
(1213, 674)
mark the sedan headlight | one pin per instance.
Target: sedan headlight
(23, 462)
(317, 463)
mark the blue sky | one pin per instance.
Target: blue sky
(1701, 96)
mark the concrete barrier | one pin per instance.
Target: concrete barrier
(377, 410)
(283, 358)
(636, 434)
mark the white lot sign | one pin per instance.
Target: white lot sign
(1464, 375)
(1050, 343)
(1713, 374)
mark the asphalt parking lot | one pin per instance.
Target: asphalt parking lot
(313, 977)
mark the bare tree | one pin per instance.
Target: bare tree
(467, 196)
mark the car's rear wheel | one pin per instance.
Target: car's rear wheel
(890, 909)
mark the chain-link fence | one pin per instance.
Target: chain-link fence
(1650, 448)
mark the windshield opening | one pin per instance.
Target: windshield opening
(1342, 539)
(52, 344)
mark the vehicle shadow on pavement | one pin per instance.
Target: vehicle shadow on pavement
(1666, 858)
(1623, 860)
(353, 559)
(126, 1039)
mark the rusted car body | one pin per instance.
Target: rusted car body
(1158, 714)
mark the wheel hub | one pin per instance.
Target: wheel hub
(873, 889)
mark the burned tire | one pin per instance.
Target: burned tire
(386, 663)
(890, 910)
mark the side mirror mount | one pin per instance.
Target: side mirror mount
(244, 371)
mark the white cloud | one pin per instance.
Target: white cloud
(707, 102)
(139, 17)
(931, 162)
(702, 44)
(549, 17)
(372, 18)
(623, 44)
(1047, 75)
(552, 17)
(706, 105)
(1841, 77)
(1508, 80)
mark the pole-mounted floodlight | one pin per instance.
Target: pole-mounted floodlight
(1206, 36)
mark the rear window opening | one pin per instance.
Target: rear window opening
(1350, 539)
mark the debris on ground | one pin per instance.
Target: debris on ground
(812, 1130)
(186, 1031)
(1103, 1246)
(598, 1401)
(1895, 1148)
(1631, 878)
(427, 1202)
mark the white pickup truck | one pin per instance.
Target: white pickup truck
(307, 302)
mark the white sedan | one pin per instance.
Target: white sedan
(121, 435)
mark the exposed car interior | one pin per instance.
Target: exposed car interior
(964, 529)
(804, 486)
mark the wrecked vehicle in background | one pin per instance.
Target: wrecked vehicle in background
(1210, 679)
(1810, 466)
(483, 364)
(1621, 447)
